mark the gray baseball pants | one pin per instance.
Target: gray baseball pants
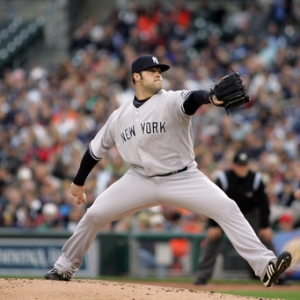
(190, 190)
(211, 249)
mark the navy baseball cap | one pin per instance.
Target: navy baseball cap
(145, 62)
(241, 158)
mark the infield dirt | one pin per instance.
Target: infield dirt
(40, 289)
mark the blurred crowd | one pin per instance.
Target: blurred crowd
(48, 116)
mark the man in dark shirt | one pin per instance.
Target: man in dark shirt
(247, 189)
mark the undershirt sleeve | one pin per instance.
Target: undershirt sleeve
(89, 160)
(193, 100)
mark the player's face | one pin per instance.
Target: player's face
(151, 80)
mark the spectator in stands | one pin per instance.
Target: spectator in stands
(286, 223)
(151, 223)
(84, 89)
(285, 198)
(50, 218)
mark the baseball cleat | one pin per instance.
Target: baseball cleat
(54, 274)
(276, 267)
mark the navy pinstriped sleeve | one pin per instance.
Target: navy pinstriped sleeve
(193, 100)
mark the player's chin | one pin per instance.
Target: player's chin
(158, 85)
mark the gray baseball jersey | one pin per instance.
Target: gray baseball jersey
(156, 139)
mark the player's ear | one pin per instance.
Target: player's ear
(136, 77)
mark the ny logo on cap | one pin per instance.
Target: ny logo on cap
(243, 156)
(155, 60)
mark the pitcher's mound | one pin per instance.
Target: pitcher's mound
(34, 289)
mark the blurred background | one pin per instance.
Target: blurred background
(65, 66)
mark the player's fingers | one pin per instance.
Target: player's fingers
(84, 198)
(80, 199)
(217, 101)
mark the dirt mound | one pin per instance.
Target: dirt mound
(33, 289)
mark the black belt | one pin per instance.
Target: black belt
(171, 173)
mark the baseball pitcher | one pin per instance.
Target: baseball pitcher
(153, 133)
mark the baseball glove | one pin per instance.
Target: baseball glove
(231, 90)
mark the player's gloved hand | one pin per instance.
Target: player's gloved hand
(78, 193)
(231, 90)
(214, 233)
(265, 234)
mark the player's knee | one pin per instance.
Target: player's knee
(230, 209)
(94, 218)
